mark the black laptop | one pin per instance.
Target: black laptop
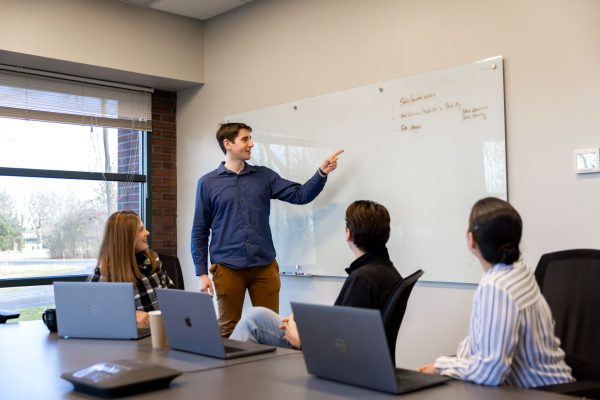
(348, 345)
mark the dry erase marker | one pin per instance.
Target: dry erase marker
(293, 273)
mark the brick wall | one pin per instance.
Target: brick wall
(164, 172)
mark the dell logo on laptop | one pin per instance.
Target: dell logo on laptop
(340, 345)
(188, 321)
(95, 310)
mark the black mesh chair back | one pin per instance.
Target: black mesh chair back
(570, 282)
(173, 269)
(394, 310)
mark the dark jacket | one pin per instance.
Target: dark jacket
(371, 277)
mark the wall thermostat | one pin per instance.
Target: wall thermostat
(587, 161)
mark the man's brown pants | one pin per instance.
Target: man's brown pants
(263, 285)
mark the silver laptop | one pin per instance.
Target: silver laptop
(98, 310)
(191, 325)
(348, 344)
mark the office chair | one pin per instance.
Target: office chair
(173, 269)
(570, 282)
(5, 315)
(394, 310)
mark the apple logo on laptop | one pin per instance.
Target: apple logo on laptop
(95, 310)
(188, 321)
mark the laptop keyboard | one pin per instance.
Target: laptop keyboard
(401, 376)
(229, 349)
(407, 377)
(143, 332)
(409, 380)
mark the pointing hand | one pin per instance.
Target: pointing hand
(330, 163)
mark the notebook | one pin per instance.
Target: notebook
(191, 325)
(98, 310)
(348, 345)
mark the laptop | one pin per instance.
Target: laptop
(98, 310)
(348, 344)
(191, 325)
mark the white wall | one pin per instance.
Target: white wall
(273, 51)
(103, 33)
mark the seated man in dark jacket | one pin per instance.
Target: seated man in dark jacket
(371, 278)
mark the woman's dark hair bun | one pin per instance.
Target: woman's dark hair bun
(509, 253)
(496, 228)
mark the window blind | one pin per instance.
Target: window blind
(41, 98)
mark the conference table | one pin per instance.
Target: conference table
(32, 359)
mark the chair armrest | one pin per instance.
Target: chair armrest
(5, 315)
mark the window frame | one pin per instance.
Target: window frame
(144, 178)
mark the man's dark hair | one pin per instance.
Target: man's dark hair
(230, 131)
(369, 224)
(496, 227)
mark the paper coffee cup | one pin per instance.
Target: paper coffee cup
(157, 330)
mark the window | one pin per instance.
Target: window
(71, 153)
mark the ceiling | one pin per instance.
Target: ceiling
(198, 9)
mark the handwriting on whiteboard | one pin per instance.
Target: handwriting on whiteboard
(415, 108)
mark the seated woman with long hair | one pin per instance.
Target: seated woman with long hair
(511, 337)
(125, 257)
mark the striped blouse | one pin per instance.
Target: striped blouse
(511, 335)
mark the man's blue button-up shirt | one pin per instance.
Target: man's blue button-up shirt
(233, 209)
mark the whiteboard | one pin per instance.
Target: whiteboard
(425, 146)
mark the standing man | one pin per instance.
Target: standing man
(233, 204)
